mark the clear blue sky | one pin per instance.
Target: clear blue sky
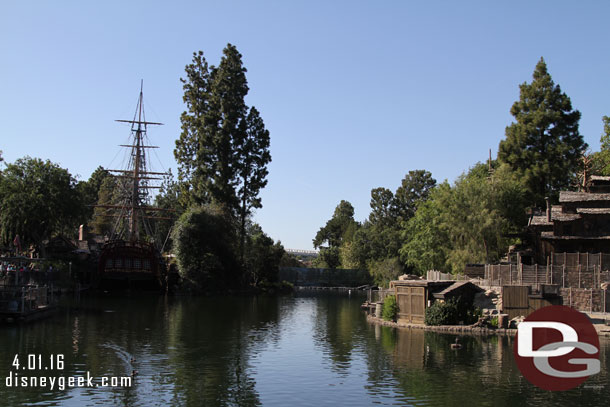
(355, 94)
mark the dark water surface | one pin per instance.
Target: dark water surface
(302, 350)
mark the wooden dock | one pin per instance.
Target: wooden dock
(25, 303)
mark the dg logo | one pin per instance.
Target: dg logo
(557, 348)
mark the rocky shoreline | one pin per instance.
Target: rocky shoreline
(450, 329)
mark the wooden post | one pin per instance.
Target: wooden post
(587, 260)
(536, 275)
(579, 276)
(500, 275)
(22, 300)
(546, 279)
(563, 276)
(521, 274)
(552, 266)
(570, 296)
(510, 273)
(591, 302)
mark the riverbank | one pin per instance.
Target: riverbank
(450, 329)
(602, 329)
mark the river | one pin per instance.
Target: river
(309, 349)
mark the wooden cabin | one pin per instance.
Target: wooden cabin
(579, 223)
(415, 296)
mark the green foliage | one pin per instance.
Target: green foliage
(263, 256)
(442, 313)
(341, 227)
(108, 194)
(389, 310)
(383, 211)
(290, 260)
(254, 155)
(451, 312)
(414, 189)
(385, 270)
(38, 199)
(272, 288)
(544, 145)
(204, 245)
(223, 150)
(426, 236)
(168, 198)
(601, 159)
(494, 322)
(465, 223)
(375, 244)
(89, 189)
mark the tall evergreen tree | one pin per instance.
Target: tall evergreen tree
(253, 152)
(414, 188)
(226, 117)
(194, 156)
(382, 207)
(223, 150)
(544, 145)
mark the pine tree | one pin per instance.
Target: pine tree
(192, 153)
(225, 120)
(253, 153)
(544, 145)
(223, 150)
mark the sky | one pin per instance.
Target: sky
(354, 93)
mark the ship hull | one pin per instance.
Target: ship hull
(130, 265)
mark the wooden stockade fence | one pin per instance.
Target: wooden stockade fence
(565, 276)
(434, 275)
(583, 259)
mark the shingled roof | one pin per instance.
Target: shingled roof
(455, 286)
(569, 196)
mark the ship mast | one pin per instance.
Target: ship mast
(132, 205)
(135, 194)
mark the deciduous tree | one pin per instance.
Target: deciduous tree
(37, 200)
(338, 228)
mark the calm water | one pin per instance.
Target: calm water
(303, 350)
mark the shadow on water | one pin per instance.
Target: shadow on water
(186, 351)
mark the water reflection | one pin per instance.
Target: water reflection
(307, 349)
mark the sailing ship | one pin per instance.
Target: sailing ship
(131, 257)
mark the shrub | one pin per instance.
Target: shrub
(390, 308)
(494, 322)
(442, 313)
(262, 257)
(384, 271)
(452, 312)
(203, 241)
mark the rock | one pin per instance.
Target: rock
(514, 323)
(409, 277)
